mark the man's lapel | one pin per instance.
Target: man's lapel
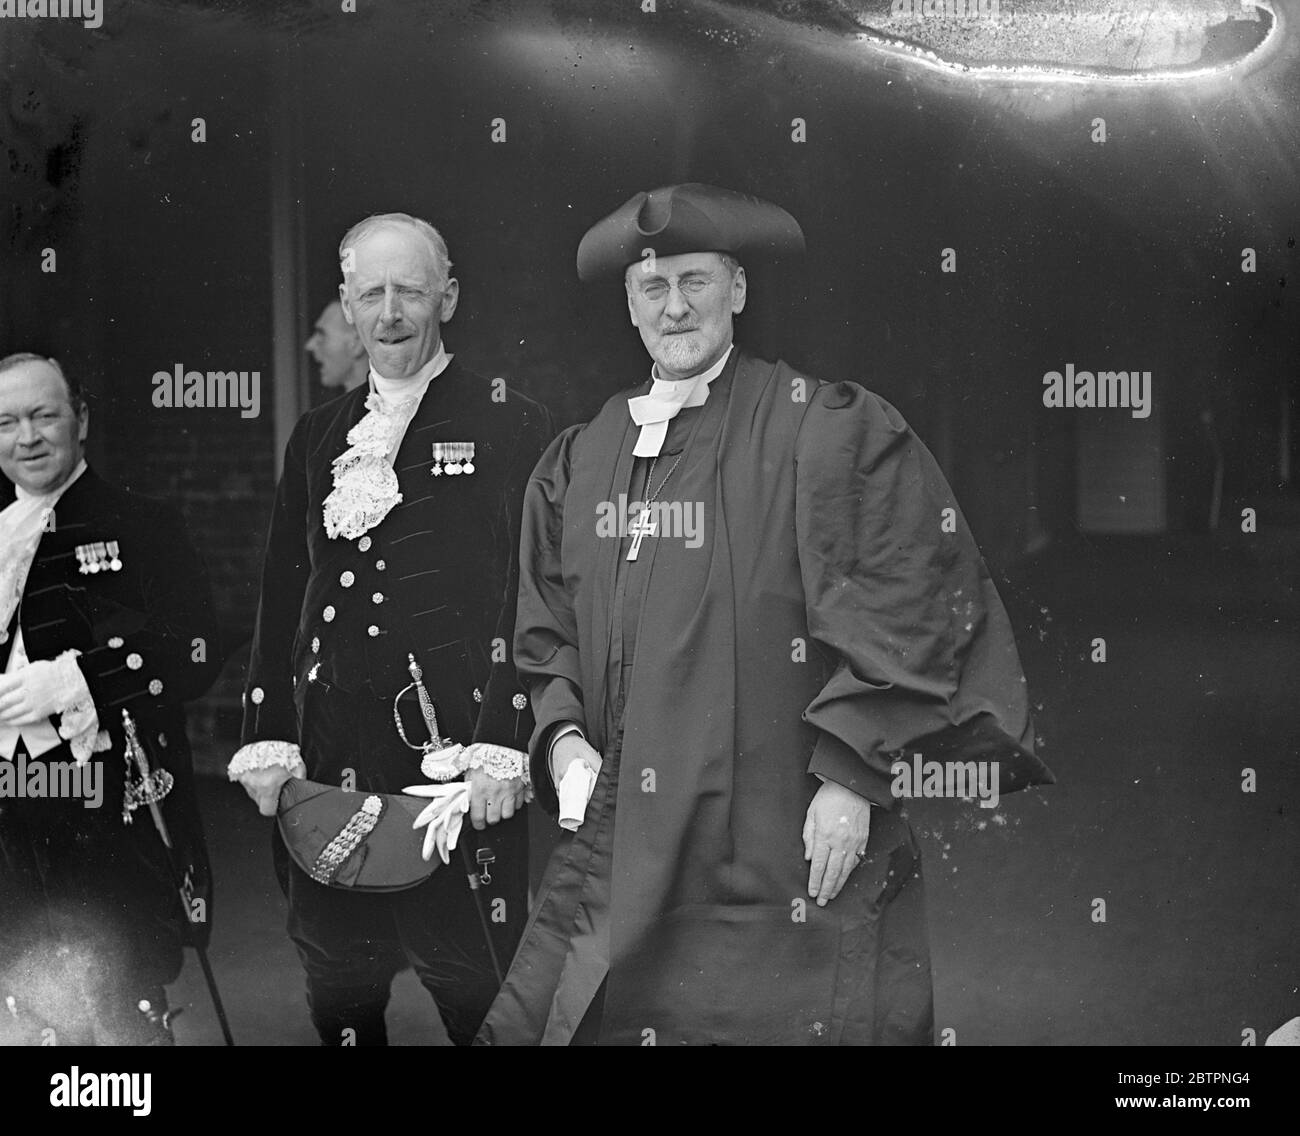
(333, 441)
(69, 526)
(431, 422)
(53, 583)
(421, 551)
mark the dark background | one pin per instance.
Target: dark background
(1124, 255)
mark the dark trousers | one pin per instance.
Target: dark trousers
(88, 923)
(352, 944)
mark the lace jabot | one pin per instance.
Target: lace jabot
(365, 486)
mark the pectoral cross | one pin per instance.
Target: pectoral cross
(642, 527)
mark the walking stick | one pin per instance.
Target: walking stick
(136, 752)
(471, 870)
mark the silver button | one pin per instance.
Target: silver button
(372, 631)
(315, 645)
(257, 695)
(162, 740)
(381, 564)
(364, 544)
(155, 687)
(378, 598)
(134, 662)
(347, 579)
(116, 642)
(328, 613)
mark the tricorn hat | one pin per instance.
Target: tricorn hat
(686, 218)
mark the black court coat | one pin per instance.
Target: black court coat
(149, 643)
(436, 579)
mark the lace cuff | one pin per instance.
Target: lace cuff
(73, 693)
(264, 755)
(501, 762)
(78, 718)
(496, 761)
(79, 727)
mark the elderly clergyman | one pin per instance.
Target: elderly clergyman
(719, 713)
(390, 568)
(104, 611)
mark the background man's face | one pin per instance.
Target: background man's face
(41, 435)
(683, 308)
(335, 346)
(396, 302)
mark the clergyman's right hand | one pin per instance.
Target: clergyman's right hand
(263, 785)
(571, 748)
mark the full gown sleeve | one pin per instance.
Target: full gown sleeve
(546, 633)
(921, 652)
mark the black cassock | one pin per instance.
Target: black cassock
(824, 620)
(78, 878)
(337, 621)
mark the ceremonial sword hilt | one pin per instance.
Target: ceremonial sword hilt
(436, 743)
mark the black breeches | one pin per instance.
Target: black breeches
(89, 923)
(352, 944)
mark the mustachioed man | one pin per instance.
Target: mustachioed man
(392, 554)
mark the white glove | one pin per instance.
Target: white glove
(443, 816)
(40, 689)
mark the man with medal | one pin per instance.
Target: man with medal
(106, 630)
(381, 658)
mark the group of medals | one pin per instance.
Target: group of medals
(452, 458)
(101, 556)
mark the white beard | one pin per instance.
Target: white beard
(679, 354)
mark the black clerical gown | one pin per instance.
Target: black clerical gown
(825, 620)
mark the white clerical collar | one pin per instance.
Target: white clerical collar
(653, 411)
(393, 391)
(22, 494)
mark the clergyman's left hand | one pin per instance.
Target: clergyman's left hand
(834, 837)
